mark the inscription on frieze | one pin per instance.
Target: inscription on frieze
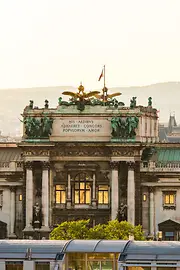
(78, 129)
(82, 126)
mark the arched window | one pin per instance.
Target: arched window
(82, 188)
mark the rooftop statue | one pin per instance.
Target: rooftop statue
(105, 96)
(31, 102)
(92, 98)
(133, 102)
(81, 95)
(80, 98)
(46, 105)
(150, 101)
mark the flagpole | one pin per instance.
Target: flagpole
(104, 84)
(104, 78)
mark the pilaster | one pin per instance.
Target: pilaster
(131, 193)
(94, 201)
(151, 212)
(114, 189)
(12, 212)
(29, 195)
(68, 200)
(45, 196)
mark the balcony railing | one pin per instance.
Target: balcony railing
(160, 167)
(12, 166)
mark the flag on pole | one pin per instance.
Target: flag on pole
(101, 75)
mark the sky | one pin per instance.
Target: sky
(64, 42)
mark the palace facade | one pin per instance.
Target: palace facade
(91, 157)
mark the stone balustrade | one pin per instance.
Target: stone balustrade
(13, 166)
(159, 167)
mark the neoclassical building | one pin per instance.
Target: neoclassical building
(90, 157)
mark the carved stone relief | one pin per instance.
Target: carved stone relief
(81, 151)
(36, 153)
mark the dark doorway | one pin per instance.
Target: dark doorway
(3, 230)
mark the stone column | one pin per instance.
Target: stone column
(29, 196)
(45, 196)
(51, 194)
(151, 211)
(114, 190)
(94, 191)
(69, 192)
(94, 187)
(12, 216)
(131, 194)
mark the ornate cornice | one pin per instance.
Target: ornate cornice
(81, 151)
(95, 151)
(123, 152)
(40, 152)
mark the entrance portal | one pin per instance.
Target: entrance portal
(170, 230)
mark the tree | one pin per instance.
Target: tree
(97, 232)
(114, 230)
(71, 230)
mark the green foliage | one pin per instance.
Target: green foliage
(122, 230)
(97, 232)
(114, 230)
(118, 230)
(71, 230)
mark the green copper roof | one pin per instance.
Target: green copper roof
(168, 155)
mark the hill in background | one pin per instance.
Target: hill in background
(165, 97)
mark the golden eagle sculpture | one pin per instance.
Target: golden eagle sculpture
(81, 95)
(105, 96)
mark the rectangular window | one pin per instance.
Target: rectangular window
(14, 265)
(42, 266)
(103, 194)
(169, 199)
(60, 194)
(82, 193)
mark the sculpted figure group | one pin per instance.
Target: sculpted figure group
(124, 127)
(38, 127)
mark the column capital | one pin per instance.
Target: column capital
(114, 165)
(12, 188)
(45, 165)
(151, 189)
(28, 165)
(131, 165)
